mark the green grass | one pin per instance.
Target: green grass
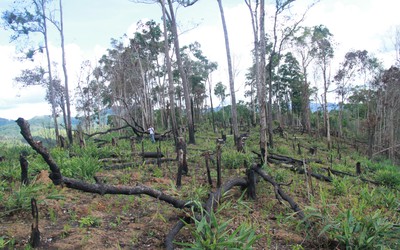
(354, 213)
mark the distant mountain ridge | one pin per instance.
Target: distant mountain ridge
(4, 121)
(10, 130)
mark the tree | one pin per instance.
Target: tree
(219, 91)
(231, 80)
(390, 110)
(171, 89)
(305, 50)
(291, 78)
(29, 19)
(347, 73)
(182, 73)
(261, 89)
(67, 118)
(280, 36)
(198, 69)
(324, 53)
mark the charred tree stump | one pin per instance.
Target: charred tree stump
(218, 165)
(358, 168)
(207, 159)
(298, 149)
(313, 151)
(133, 146)
(24, 169)
(114, 142)
(158, 157)
(223, 136)
(142, 151)
(34, 241)
(251, 186)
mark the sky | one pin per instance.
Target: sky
(90, 24)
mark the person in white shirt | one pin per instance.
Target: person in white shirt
(151, 131)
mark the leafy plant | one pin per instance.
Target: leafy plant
(211, 233)
(362, 232)
(233, 159)
(340, 186)
(89, 221)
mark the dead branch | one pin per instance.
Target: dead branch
(279, 191)
(105, 132)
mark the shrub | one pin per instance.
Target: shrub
(361, 232)
(233, 159)
(388, 177)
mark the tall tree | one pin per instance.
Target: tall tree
(33, 18)
(60, 29)
(231, 79)
(171, 89)
(291, 78)
(305, 51)
(280, 36)
(182, 72)
(324, 53)
(348, 72)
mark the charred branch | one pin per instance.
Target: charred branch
(279, 191)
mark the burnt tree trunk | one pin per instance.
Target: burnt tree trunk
(207, 159)
(251, 186)
(358, 168)
(218, 165)
(34, 241)
(24, 169)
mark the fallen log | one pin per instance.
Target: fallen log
(151, 155)
(337, 172)
(300, 170)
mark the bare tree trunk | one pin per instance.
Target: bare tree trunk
(261, 88)
(211, 103)
(254, 24)
(305, 108)
(231, 80)
(51, 83)
(182, 73)
(68, 104)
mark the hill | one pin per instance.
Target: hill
(39, 125)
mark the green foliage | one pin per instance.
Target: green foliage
(283, 149)
(340, 186)
(388, 176)
(89, 221)
(21, 198)
(232, 159)
(80, 167)
(3, 243)
(209, 232)
(361, 232)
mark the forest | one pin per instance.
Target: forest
(285, 169)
